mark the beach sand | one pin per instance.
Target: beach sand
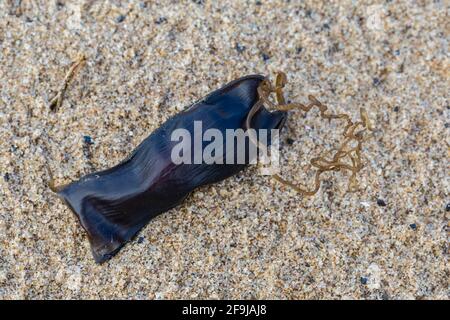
(248, 236)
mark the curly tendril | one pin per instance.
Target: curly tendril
(353, 133)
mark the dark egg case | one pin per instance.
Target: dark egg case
(114, 204)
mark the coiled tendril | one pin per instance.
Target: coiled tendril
(351, 134)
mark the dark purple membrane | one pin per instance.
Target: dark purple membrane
(114, 204)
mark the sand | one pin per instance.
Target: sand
(248, 236)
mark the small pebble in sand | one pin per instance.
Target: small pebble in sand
(447, 207)
(290, 141)
(381, 203)
(120, 18)
(413, 226)
(363, 280)
(239, 48)
(161, 20)
(88, 140)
